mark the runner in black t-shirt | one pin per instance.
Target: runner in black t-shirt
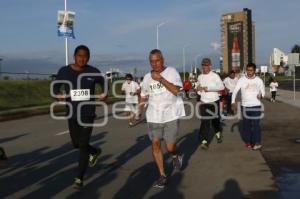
(80, 121)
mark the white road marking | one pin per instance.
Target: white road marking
(62, 133)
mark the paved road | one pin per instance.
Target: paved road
(42, 163)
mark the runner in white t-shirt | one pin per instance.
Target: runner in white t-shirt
(252, 91)
(209, 86)
(131, 90)
(273, 89)
(165, 107)
(230, 83)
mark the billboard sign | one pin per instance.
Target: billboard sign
(263, 69)
(235, 46)
(65, 23)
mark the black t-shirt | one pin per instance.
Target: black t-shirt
(87, 82)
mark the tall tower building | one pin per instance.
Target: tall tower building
(237, 40)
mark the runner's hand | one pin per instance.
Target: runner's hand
(61, 97)
(138, 116)
(156, 76)
(259, 97)
(202, 89)
(103, 97)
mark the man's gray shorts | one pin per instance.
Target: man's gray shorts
(167, 131)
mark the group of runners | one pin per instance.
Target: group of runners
(160, 90)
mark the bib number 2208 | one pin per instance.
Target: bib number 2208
(80, 95)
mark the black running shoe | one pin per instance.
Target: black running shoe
(219, 137)
(204, 146)
(94, 157)
(78, 183)
(161, 182)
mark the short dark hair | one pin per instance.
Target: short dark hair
(82, 47)
(251, 65)
(157, 52)
(128, 76)
(206, 61)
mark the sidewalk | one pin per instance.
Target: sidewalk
(228, 170)
(286, 96)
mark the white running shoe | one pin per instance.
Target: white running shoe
(257, 147)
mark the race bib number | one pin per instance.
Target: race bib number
(80, 95)
(156, 88)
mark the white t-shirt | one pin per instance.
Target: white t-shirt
(129, 89)
(213, 83)
(230, 83)
(250, 89)
(163, 106)
(141, 84)
(273, 86)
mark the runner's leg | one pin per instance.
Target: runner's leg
(205, 123)
(158, 156)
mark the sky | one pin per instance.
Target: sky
(121, 33)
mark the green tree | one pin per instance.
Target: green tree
(295, 49)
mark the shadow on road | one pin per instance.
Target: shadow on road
(187, 145)
(141, 180)
(8, 139)
(52, 170)
(91, 190)
(172, 190)
(231, 190)
(239, 126)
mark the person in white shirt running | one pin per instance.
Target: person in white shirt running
(131, 90)
(273, 89)
(230, 83)
(252, 91)
(208, 86)
(161, 87)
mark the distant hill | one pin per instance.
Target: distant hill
(125, 62)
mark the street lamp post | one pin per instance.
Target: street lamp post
(157, 34)
(196, 58)
(294, 82)
(66, 40)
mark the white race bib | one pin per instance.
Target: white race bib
(156, 88)
(80, 95)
